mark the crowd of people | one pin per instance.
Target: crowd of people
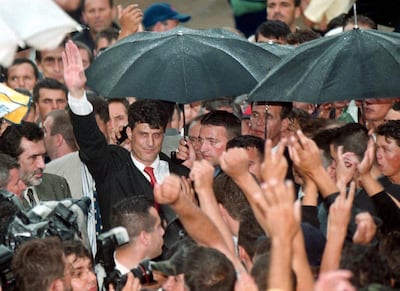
(218, 194)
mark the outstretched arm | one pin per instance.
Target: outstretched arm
(195, 221)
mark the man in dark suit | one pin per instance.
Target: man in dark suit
(25, 143)
(118, 173)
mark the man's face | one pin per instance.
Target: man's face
(21, 76)
(166, 25)
(213, 141)
(49, 100)
(49, 140)
(274, 122)
(118, 115)
(376, 109)
(97, 14)
(82, 276)
(156, 236)
(193, 135)
(146, 142)
(283, 10)
(32, 161)
(174, 283)
(15, 184)
(51, 64)
(388, 157)
(85, 58)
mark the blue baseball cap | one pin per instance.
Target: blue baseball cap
(161, 12)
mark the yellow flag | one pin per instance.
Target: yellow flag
(13, 105)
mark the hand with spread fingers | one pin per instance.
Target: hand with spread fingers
(346, 166)
(74, 73)
(275, 165)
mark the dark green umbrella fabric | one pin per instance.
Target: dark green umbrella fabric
(356, 64)
(277, 49)
(182, 65)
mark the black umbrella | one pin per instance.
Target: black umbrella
(182, 65)
(277, 49)
(356, 64)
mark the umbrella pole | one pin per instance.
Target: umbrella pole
(266, 121)
(355, 15)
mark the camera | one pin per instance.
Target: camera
(7, 278)
(107, 243)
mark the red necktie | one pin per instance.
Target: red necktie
(150, 171)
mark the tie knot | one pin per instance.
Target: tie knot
(149, 170)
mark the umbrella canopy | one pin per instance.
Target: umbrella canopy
(181, 65)
(356, 64)
(277, 49)
(38, 24)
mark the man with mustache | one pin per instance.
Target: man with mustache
(25, 143)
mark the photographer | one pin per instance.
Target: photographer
(145, 232)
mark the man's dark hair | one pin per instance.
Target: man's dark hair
(76, 248)
(249, 232)
(109, 33)
(225, 119)
(361, 20)
(337, 21)
(230, 196)
(390, 129)
(123, 101)
(38, 53)
(389, 248)
(208, 269)
(100, 108)
(37, 263)
(148, 111)
(247, 141)
(133, 214)
(353, 137)
(111, 2)
(10, 141)
(48, 83)
(272, 28)
(359, 259)
(20, 61)
(301, 36)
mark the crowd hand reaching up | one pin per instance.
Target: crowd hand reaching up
(130, 19)
(276, 201)
(168, 192)
(74, 73)
(281, 221)
(235, 163)
(275, 165)
(338, 221)
(202, 174)
(186, 153)
(366, 229)
(306, 156)
(346, 166)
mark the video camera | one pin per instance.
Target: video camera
(107, 243)
(50, 218)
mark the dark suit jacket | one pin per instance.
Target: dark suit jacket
(111, 166)
(53, 187)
